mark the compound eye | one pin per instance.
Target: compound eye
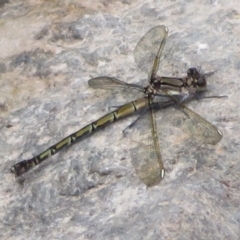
(201, 82)
(192, 72)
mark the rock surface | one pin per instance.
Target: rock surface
(49, 50)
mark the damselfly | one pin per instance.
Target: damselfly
(148, 161)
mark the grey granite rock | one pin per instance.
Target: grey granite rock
(49, 49)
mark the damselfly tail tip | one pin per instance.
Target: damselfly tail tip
(18, 168)
(12, 170)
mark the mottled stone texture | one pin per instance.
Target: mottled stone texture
(49, 49)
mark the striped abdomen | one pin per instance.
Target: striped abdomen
(123, 111)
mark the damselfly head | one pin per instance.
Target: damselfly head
(198, 79)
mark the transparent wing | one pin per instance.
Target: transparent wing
(149, 49)
(146, 156)
(192, 123)
(147, 56)
(111, 83)
(128, 91)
